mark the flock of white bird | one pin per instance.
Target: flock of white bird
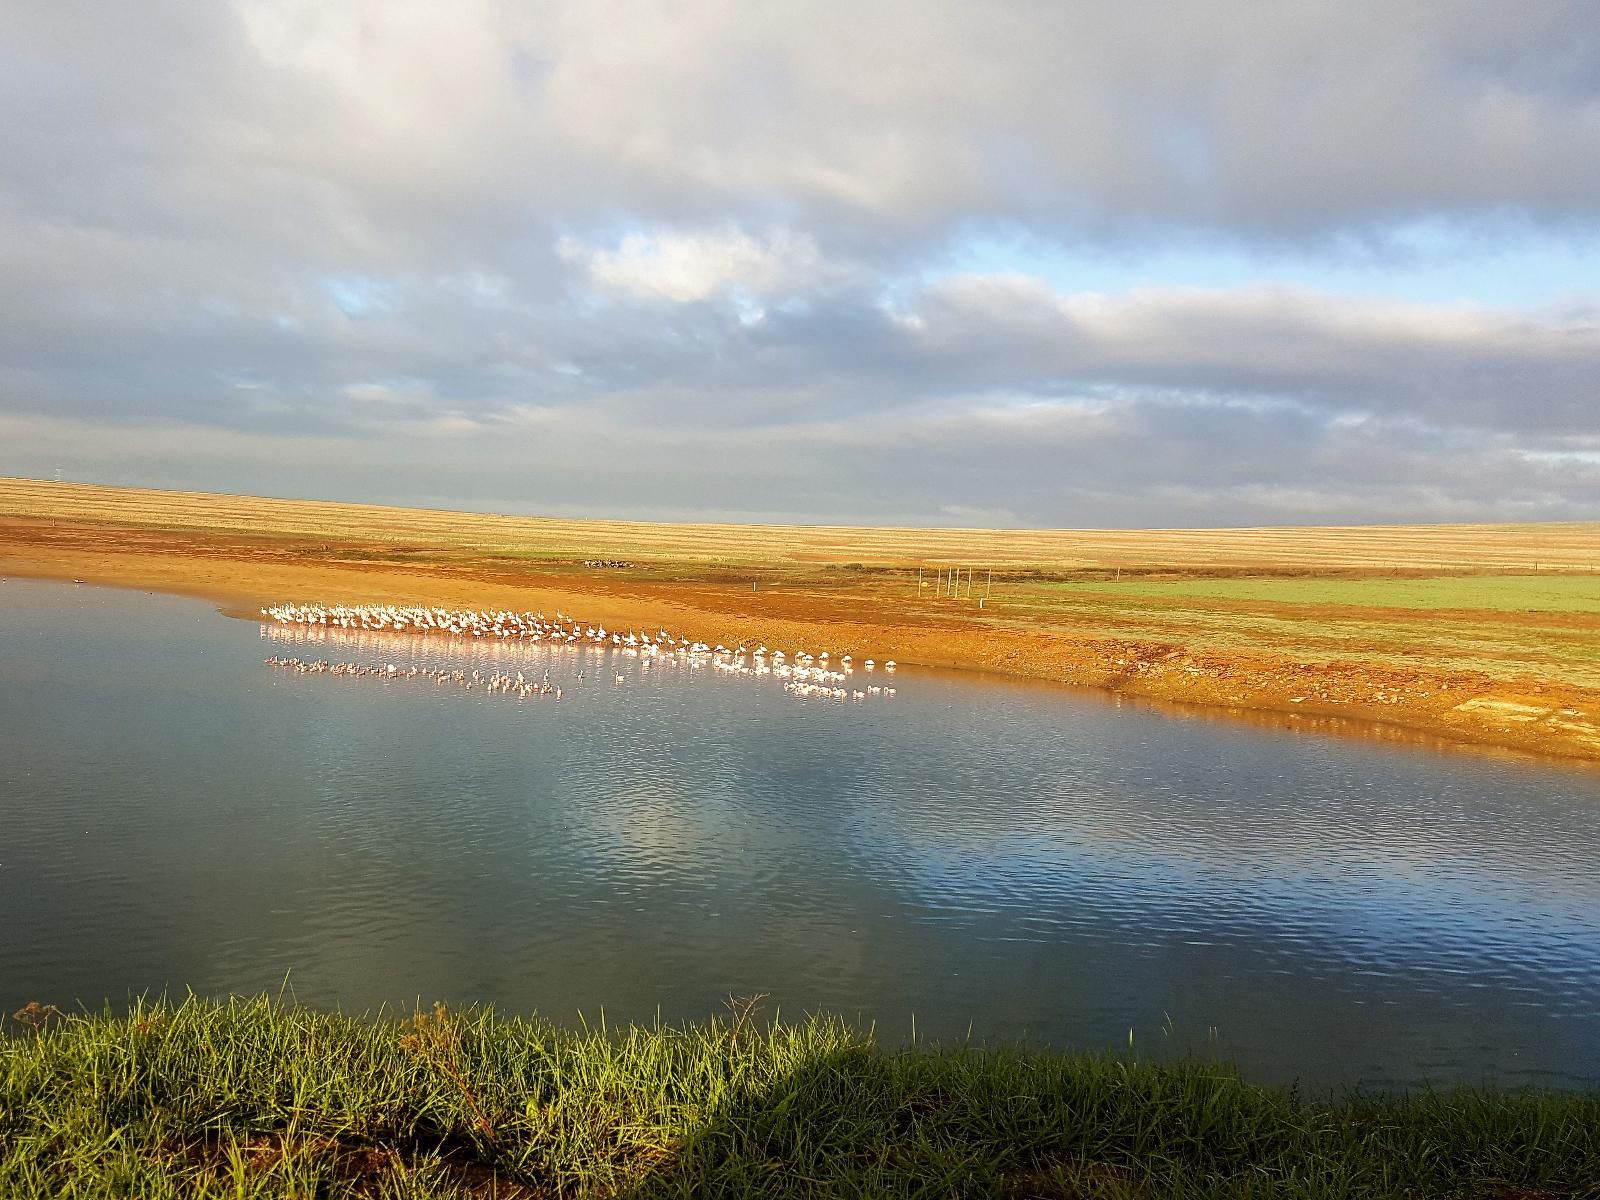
(802, 674)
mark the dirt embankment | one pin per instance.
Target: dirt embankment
(841, 613)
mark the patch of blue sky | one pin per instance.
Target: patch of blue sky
(1425, 261)
(357, 295)
(749, 309)
(1586, 457)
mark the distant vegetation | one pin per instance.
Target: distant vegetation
(255, 1098)
(1508, 593)
(1378, 548)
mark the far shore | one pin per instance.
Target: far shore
(1507, 662)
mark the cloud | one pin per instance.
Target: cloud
(655, 259)
(1283, 120)
(1451, 365)
(688, 266)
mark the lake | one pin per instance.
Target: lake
(971, 855)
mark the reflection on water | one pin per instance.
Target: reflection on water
(1015, 860)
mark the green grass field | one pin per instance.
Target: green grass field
(1531, 627)
(1506, 593)
(255, 1099)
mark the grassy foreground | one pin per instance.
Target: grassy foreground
(257, 1098)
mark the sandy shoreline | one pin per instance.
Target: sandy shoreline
(1532, 716)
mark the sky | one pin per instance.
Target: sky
(931, 262)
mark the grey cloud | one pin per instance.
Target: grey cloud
(1042, 404)
(1450, 365)
(410, 129)
(1140, 461)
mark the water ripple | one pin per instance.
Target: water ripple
(1004, 858)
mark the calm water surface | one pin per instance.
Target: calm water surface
(1019, 861)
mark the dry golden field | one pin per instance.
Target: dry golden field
(1481, 633)
(1500, 548)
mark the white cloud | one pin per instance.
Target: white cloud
(693, 265)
